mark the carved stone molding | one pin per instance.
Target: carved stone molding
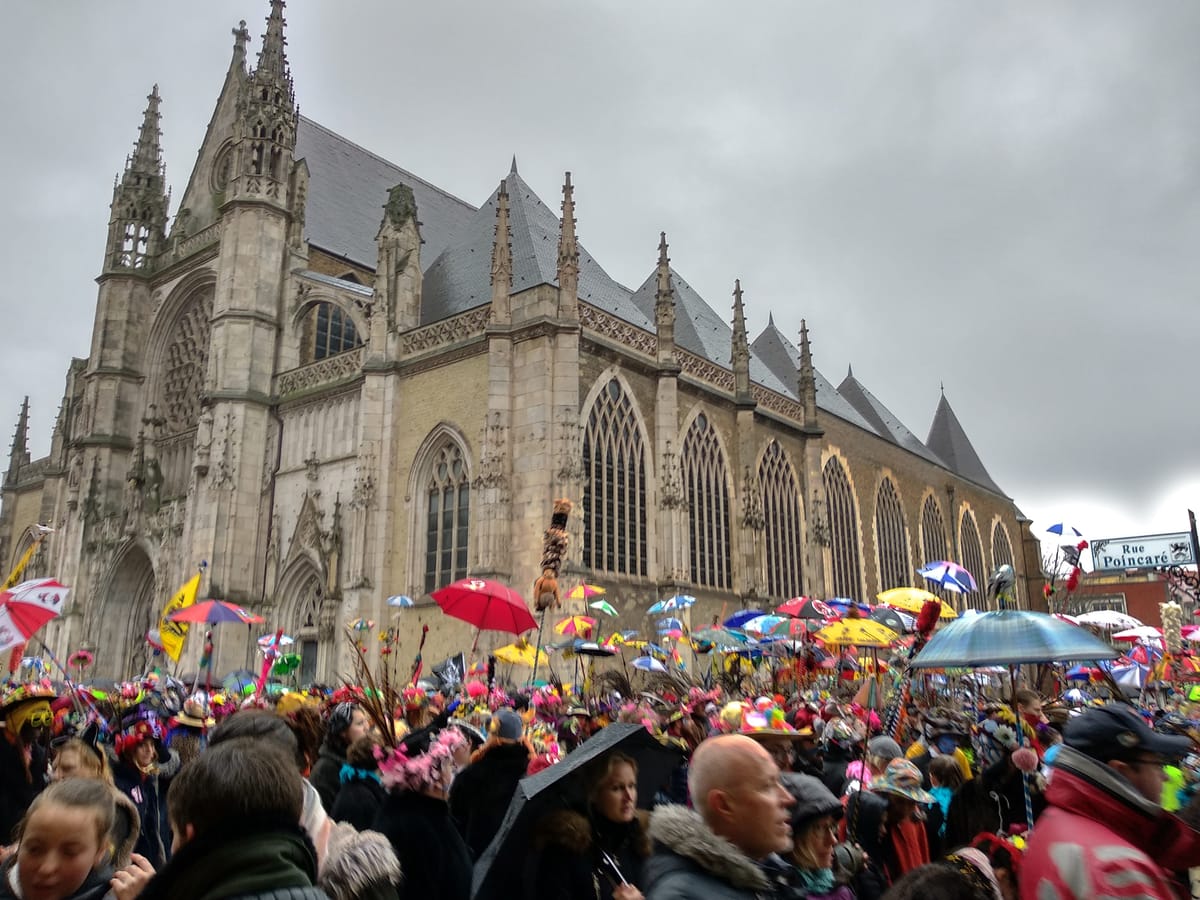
(754, 516)
(619, 330)
(446, 332)
(785, 406)
(704, 370)
(330, 370)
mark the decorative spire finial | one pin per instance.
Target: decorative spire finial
(513, 170)
(740, 349)
(568, 254)
(664, 304)
(272, 59)
(241, 40)
(501, 251)
(147, 152)
(807, 379)
(19, 454)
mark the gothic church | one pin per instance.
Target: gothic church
(335, 382)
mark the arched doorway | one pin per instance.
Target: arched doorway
(127, 611)
(302, 595)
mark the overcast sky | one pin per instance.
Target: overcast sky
(1002, 198)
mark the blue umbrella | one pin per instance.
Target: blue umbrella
(1065, 531)
(842, 605)
(1009, 637)
(648, 664)
(949, 575)
(1075, 695)
(401, 600)
(668, 623)
(742, 616)
(679, 601)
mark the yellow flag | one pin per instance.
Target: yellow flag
(172, 633)
(14, 577)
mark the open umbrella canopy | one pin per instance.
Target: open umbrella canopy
(28, 606)
(401, 600)
(739, 619)
(213, 612)
(843, 605)
(576, 626)
(564, 785)
(521, 653)
(648, 664)
(807, 608)
(1108, 619)
(669, 624)
(766, 624)
(899, 622)
(591, 648)
(858, 633)
(488, 605)
(1009, 637)
(603, 606)
(1140, 633)
(910, 600)
(1065, 530)
(585, 592)
(679, 601)
(949, 575)
(722, 637)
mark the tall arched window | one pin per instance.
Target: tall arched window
(307, 624)
(972, 554)
(843, 530)
(891, 538)
(933, 538)
(781, 509)
(614, 486)
(707, 489)
(328, 330)
(447, 517)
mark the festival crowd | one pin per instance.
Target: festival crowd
(154, 790)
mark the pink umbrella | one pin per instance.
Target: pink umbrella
(28, 606)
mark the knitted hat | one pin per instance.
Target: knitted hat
(813, 800)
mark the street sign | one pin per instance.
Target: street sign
(1146, 552)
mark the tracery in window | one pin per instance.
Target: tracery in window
(781, 509)
(614, 486)
(328, 331)
(706, 486)
(447, 517)
(933, 541)
(843, 530)
(972, 555)
(891, 538)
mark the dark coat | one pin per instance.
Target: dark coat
(154, 837)
(992, 801)
(833, 771)
(480, 795)
(94, 887)
(263, 859)
(18, 787)
(326, 774)
(691, 862)
(433, 857)
(358, 801)
(568, 860)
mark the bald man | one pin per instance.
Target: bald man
(725, 848)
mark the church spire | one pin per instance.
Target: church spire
(664, 305)
(266, 125)
(19, 454)
(138, 219)
(807, 379)
(568, 256)
(502, 261)
(272, 58)
(740, 349)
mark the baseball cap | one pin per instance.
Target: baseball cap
(507, 725)
(1114, 731)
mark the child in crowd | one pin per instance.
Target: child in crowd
(63, 850)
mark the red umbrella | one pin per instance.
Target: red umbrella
(807, 608)
(488, 605)
(27, 607)
(213, 611)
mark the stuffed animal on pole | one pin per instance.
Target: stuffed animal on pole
(554, 546)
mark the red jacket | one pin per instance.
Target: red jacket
(1100, 837)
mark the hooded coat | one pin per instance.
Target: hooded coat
(481, 792)
(690, 861)
(1100, 837)
(432, 854)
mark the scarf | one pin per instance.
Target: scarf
(815, 881)
(349, 774)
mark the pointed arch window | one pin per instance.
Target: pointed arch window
(891, 538)
(706, 486)
(614, 486)
(447, 517)
(329, 330)
(307, 625)
(972, 553)
(843, 530)
(933, 539)
(781, 510)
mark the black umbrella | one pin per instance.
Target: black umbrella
(891, 619)
(500, 867)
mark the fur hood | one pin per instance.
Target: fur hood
(357, 862)
(683, 832)
(570, 830)
(128, 826)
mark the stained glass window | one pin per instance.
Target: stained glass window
(843, 531)
(614, 486)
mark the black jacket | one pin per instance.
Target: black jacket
(146, 792)
(833, 772)
(569, 859)
(17, 789)
(326, 773)
(433, 857)
(480, 795)
(358, 801)
(250, 859)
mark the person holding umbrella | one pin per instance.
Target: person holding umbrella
(599, 854)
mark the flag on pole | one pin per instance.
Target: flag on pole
(171, 632)
(14, 577)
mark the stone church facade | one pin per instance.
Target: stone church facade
(333, 382)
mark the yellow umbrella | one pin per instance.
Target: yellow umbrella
(911, 599)
(585, 592)
(576, 626)
(859, 632)
(521, 653)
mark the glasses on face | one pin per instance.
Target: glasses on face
(40, 719)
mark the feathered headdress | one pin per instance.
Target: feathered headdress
(400, 770)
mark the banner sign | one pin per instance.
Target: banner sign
(1148, 552)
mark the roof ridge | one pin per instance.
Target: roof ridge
(371, 153)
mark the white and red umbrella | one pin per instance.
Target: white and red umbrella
(27, 607)
(1140, 633)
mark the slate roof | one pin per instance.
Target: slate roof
(783, 358)
(460, 277)
(348, 187)
(949, 440)
(882, 419)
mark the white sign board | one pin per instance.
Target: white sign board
(1147, 552)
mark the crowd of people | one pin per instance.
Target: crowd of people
(368, 793)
